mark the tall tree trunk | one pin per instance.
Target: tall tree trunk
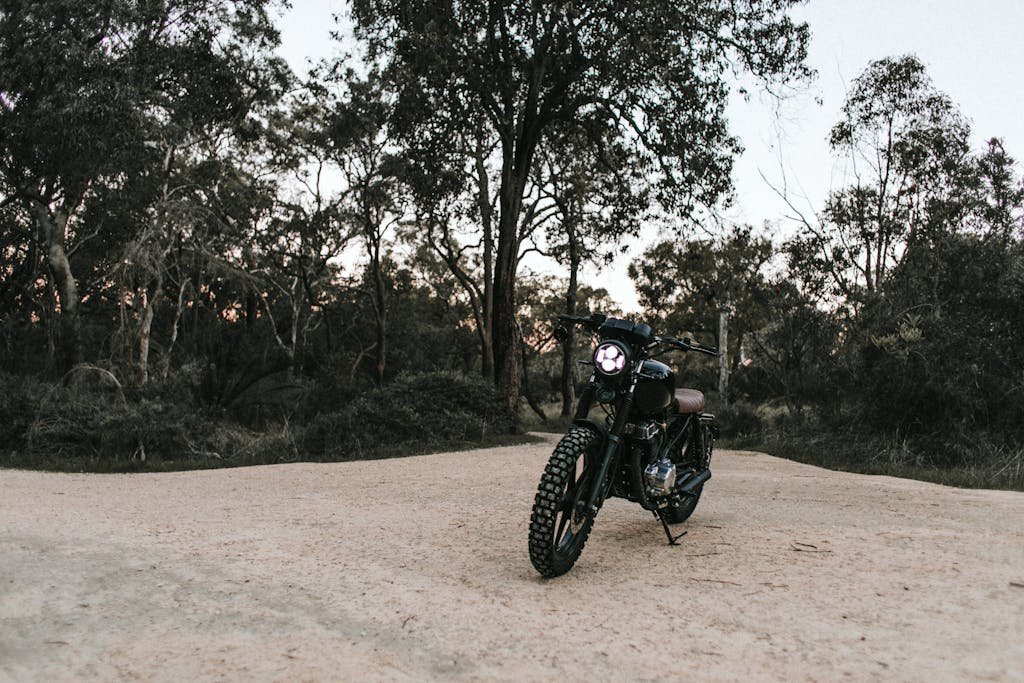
(568, 375)
(145, 328)
(380, 306)
(527, 393)
(505, 356)
(517, 162)
(504, 327)
(165, 370)
(487, 304)
(723, 350)
(49, 313)
(52, 232)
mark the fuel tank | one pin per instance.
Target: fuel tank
(654, 391)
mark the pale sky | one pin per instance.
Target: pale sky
(973, 52)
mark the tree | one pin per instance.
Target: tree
(93, 95)
(906, 145)
(654, 70)
(598, 199)
(688, 287)
(354, 132)
(1002, 194)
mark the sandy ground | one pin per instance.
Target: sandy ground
(417, 569)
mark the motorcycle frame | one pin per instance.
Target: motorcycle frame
(613, 439)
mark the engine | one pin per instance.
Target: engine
(661, 478)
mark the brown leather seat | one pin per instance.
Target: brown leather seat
(690, 401)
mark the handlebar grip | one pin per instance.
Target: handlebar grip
(592, 321)
(687, 344)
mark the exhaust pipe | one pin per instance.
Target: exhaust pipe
(688, 486)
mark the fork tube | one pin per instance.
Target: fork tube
(586, 400)
(611, 447)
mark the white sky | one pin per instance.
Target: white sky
(973, 52)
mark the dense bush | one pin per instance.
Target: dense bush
(101, 427)
(85, 427)
(948, 374)
(18, 396)
(416, 412)
(738, 421)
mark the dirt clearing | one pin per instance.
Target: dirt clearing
(417, 568)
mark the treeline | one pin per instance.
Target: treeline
(223, 241)
(206, 258)
(888, 333)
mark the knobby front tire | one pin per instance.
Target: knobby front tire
(558, 526)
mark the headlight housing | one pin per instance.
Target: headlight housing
(611, 358)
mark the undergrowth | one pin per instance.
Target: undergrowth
(842, 443)
(107, 428)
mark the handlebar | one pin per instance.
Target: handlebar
(687, 344)
(592, 322)
(595, 320)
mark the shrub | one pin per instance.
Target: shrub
(18, 397)
(160, 426)
(738, 421)
(417, 412)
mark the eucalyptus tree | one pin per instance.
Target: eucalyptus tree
(352, 129)
(687, 286)
(599, 198)
(907, 154)
(656, 71)
(92, 96)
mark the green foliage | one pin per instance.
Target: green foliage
(836, 444)
(18, 396)
(738, 420)
(416, 413)
(91, 428)
(684, 285)
(952, 366)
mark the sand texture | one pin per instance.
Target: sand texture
(417, 568)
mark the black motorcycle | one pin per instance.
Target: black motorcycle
(654, 448)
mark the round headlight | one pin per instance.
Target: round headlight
(610, 358)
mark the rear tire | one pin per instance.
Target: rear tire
(678, 515)
(702, 444)
(558, 525)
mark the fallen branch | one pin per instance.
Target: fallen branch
(806, 548)
(730, 583)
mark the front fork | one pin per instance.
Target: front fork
(611, 451)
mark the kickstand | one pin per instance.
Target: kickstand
(664, 523)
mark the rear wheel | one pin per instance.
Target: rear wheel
(559, 526)
(701, 443)
(677, 515)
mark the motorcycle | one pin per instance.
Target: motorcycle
(654, 448)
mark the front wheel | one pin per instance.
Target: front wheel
(559, 526)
